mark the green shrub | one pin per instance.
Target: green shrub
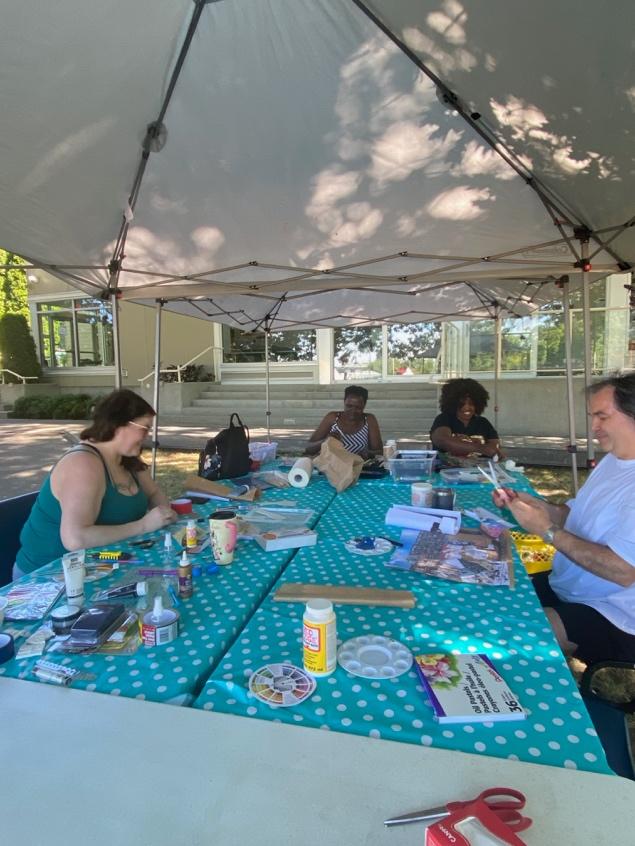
(66, 407)
(17, 347)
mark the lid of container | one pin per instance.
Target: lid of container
(142, 588)
(63, 613)
(320, 609)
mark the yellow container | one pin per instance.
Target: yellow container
(534, 552)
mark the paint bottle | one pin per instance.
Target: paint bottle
(186, 588)
(190, 534)
(319, 637)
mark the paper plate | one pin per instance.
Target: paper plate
(281, 685)
(374, 657)
(381, 547)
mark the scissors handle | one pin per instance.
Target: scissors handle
(505, 802)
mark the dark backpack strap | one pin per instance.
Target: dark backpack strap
(240, 424)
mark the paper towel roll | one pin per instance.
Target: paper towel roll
(300, 473)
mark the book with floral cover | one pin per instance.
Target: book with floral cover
(466, 689)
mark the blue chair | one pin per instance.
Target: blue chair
(610, 718)
(14, 513)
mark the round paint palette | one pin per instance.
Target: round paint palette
(281, 685)
(374, 657)
(381, 547)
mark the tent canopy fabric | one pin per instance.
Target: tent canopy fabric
(319, 162)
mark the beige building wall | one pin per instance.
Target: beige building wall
(182, 338)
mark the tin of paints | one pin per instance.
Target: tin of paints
(319, 637)
(160, 626)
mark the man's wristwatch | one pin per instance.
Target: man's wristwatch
(548, 536)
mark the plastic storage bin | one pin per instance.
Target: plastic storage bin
(412, 465)
(263, 452)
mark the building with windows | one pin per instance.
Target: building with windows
(74, 339)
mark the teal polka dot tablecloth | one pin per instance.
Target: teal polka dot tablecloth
(209, 621)
(507, 625)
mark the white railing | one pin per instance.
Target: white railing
(178, 368)
(17, 376)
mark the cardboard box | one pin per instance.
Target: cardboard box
(286, 539)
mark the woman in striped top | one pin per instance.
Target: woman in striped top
(358, 432)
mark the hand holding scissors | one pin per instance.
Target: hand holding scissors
(505, 802)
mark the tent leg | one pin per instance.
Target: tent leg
(114, 302)
(267, 396)
(588, 369)
(572, 448)
(155, 401)
(498, 351)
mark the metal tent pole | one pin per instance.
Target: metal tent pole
(114, 303)
(498, 350)
(572, 448)
(267, 398)
(588, 363)
(155, 400)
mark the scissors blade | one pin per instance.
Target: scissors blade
(419, 816)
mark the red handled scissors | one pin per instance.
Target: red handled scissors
(505, 802)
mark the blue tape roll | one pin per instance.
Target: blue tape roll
(7, 649)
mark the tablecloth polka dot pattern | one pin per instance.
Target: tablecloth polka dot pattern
(508, 625)
(209, 620)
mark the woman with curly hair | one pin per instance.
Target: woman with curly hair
(460, 429)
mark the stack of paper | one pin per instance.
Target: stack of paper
(423, 519)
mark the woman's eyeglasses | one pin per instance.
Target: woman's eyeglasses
(146, 429)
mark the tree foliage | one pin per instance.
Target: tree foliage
(13, 287)
(17, 347)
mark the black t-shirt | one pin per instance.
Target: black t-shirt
(479, 426)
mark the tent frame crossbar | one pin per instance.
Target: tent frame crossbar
(474, 119)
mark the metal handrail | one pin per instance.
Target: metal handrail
(177, 368)
(17, 376)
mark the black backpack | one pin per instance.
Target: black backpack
(227, 455)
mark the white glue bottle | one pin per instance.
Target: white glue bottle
(319, 637)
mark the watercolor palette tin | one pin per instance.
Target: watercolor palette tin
(281, 685)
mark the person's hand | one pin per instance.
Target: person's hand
(158, 517)
(532, 514)
(502, 497)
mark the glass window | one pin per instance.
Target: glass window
(75, 333)
(358, 353)
(414, 349)
(516, 336)
(243, 347)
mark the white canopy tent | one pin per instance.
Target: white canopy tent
(289, 163)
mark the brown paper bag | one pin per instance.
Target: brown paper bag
(341, 467)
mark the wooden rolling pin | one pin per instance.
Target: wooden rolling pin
(345, 595)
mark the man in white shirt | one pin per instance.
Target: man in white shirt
(589, 597)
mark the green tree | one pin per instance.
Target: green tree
(17, 347)
(13, 286)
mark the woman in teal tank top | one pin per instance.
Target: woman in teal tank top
(100, 491)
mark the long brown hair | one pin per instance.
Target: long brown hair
(113, 411)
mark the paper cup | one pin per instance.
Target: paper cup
(421, 494)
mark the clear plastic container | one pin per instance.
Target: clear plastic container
(263, 452)
(412, 465)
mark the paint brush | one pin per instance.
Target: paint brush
(493, 481)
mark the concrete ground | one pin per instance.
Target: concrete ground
(29, 448)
